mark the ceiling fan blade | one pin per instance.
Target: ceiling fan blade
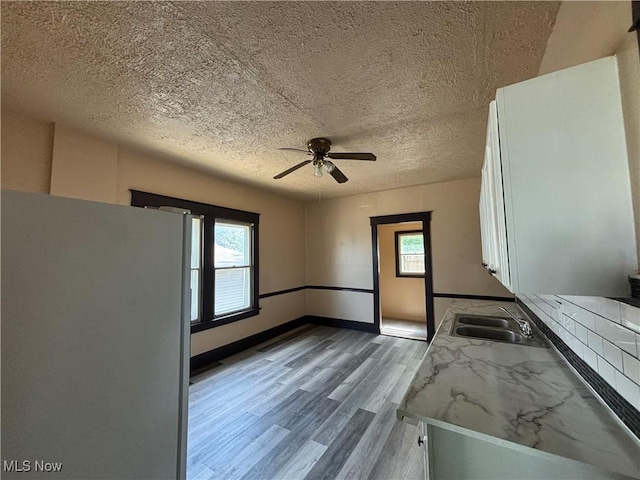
(292, 169)
(338, 175)
(296, 150)
(352, 156)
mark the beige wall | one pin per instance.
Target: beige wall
(83, 166)
(281, 237)
(343, 305)
(281, 219)
(586, 31)
(338, 236)
(26, 152)
(401, 298)
(94, 169)
(339, 243)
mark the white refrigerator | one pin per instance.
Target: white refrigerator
(95, 339)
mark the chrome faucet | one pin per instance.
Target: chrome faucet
(524, 325)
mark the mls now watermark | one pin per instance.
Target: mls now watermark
(29, 466)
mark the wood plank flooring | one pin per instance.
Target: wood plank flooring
(314, 403)
(404, 328)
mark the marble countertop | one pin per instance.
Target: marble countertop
(514, 395)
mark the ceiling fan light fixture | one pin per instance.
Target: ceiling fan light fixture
(329, 166)
(317, 170)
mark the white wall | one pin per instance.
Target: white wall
(603, 332)
(339, 252)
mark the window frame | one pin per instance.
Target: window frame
(250, 265)
(207, 282)
(398, 234)
(199, 268)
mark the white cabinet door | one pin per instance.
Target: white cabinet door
(556, 204)
(426, 443)
(493, 230)
(485, 230)
(497, 208)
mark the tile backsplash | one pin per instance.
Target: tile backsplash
(604, 333)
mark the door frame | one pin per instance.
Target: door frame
(425, 218)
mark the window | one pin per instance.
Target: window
(410, 254)
(196, 267)
(233, 267)
(224, 260)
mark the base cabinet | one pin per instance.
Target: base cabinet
(450, 455)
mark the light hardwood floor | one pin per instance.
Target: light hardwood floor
(404, 328)
(315, 403)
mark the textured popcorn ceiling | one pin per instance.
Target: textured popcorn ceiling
(222, 85)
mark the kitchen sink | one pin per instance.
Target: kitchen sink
(496, 329)
(486, 321)
(489, 333)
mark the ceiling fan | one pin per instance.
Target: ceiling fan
(319, 148)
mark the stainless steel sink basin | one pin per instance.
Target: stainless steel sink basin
(485, 321)
(489, 333)
(496, 329)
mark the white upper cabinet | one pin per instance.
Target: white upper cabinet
(556, 210)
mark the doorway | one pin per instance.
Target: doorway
(403, 285)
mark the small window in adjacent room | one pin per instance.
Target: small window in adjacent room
(410, 254)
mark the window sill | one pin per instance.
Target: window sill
(410, 275)
(200, 326)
